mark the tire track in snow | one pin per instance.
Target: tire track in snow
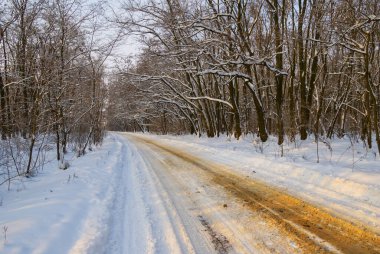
(139, 215)
(129, 226)
(172, 227)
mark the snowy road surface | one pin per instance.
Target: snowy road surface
(243, 215)
(139, 195)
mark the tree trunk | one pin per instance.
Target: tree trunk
(302, 71)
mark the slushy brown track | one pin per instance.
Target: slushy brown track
(299, 220)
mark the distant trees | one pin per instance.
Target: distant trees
(51, 78)
(268, 66)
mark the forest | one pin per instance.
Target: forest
(52, 81)
(288, 68)
(293, 69)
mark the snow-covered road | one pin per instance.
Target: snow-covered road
(138, 194)
(188, 214)
(149, 214)
(248, 215)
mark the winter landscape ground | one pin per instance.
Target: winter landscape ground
(140, 193)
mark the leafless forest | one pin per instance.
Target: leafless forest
(52, 90)
(268, 67)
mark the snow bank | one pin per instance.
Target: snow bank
(61, 211)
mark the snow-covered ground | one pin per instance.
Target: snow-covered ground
(49, 212)
(105, 202)
(110, 201)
